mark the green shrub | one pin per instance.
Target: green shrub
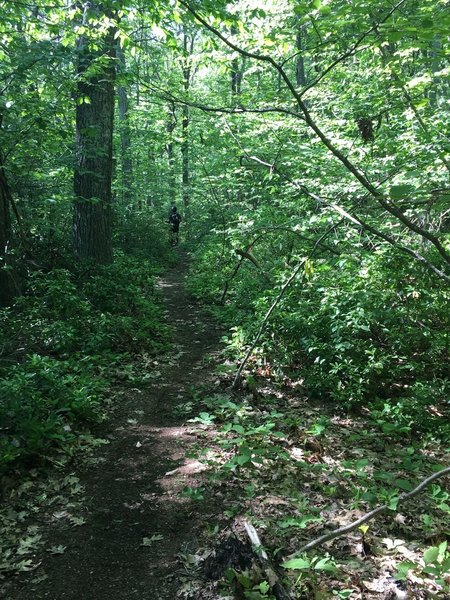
(61, 343)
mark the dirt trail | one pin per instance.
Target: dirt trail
(134, 493)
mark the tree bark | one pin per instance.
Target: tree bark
(7, 287)
(170, 127)
(125, 136)
(92, 219)
(300, 64)
(185, 123)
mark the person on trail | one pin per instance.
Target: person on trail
(174, 222)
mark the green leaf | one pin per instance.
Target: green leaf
(442, 550)
(57, 549)
(364, 529)
(432, 571)
(403, 484)
(403, 569)
(324, 564)
(400, 191)
(148, 541)
(297, 564)
(393, 503)
(238, 428)
(430, 556)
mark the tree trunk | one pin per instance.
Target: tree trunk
(300, 65)
(92, 222)
(170, 127)
(125, 137)
(435, 67)
(7, 288)
(237, 72)
(185, 124)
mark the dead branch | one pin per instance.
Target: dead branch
(272, 577)
(246, 254)
(249, 257)
(352, 526)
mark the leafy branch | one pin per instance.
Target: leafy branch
(383, 200)
(275, 303)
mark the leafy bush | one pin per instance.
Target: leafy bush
(361, 331)
(63, 339)
(40, 401)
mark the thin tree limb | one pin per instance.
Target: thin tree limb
(376, 193)
(275, 304)
(352, 526)
(230, 110)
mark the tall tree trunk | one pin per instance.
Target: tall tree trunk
(435, 67)
(92, 222)
(300, 64)
(7, 287)
(237, 72)
(185, 157)
(125, 136)
(170, 127)
(185, 124)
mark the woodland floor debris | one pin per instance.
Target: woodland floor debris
(160, 511)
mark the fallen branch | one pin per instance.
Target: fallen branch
(352, 526)
(272, 577)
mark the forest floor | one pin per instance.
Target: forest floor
(184, 462)
(122, 540)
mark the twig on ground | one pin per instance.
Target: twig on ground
(352, 526)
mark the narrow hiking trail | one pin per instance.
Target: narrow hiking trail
(136, 520)
(290, 464)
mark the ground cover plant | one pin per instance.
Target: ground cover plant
(297, 470)
(62, 344)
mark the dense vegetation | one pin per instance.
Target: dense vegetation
(306, 144)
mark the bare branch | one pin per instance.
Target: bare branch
(231, 110)
(352, 526)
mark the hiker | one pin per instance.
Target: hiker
(174, 222)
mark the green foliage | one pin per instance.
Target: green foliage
(41, 400)
(354, 331)
(66, 338)
(435, 565)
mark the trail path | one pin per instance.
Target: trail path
(134, 493)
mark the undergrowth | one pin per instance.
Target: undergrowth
(364, 333)
(62, 344)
